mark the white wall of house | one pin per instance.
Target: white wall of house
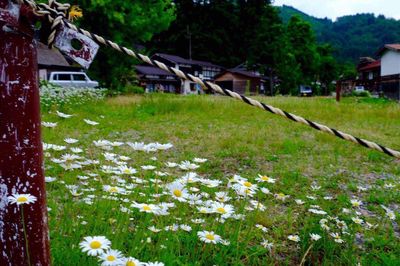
(390, 63)
(43, 74)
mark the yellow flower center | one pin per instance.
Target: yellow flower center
(281, 195)
(265, 178)
(146, 208)
(247, 184)
(130, 263)
(22, 199)
(95, 244)
(247, 191)
(177, 193)
(127, 171)
(221, 210)
(113, 189)
(210, 237)
(111, 258)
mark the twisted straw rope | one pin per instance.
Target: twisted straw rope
(55, 13)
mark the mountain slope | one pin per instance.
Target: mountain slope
(351, 36)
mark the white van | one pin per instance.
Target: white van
(72, 79)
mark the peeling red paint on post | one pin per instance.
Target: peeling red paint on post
(21, 159)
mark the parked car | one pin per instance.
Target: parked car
(72, 79)
(359, 88)
(305, 90)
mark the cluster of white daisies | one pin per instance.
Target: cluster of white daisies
(100, 247)
(177, 187)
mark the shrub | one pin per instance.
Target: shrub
(361, 94)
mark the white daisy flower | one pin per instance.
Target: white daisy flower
(21, 199)
(71, 140)
(294, 238)
(49, 179)
(315, 237)
(113, 189)
(127, 170)
(148, 208)
(299, 201)
(171, 165)
(265, 190)
(186, 165)
(316, 211)
(148, 167)
(209, 237)
(95, 245)
(76, 150)
(225, 210)
(111, 257)
(137, 146)
(124, 158)
(336, 237)
(262, 228)
(90, 122)
(154, 229)
(355, 202)
(281, 196)
(49, 124)
(177, 191)
(199, 160)
(186, 227)
(156, 263)
(266, 244)
(357, 220)
(63, 115)
(264, 178)
(165, 146)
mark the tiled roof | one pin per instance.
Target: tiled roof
(181, 60)
(393, 47)
(372, 65)
(242, 72)
(150, 70)
(50, 57)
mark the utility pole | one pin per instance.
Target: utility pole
(189, 36)
(24, 238)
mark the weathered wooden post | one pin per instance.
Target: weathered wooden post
(338, 90)
(24, 236)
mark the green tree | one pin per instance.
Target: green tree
(327, 67)
(209, 27)
(268, 47)
(304, 48)
(125, 22)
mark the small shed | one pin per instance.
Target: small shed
(241, 81)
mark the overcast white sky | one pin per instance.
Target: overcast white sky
(336, 8)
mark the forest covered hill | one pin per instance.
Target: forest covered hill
(351, 36)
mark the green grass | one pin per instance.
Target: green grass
(236, 139)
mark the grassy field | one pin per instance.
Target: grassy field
(323, 185)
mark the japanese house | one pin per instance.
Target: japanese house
(50, 60)
(382, 75)
(153, 79)
(242, 81)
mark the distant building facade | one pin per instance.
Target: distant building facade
(382, 75)
(242, 81)
(152, 79)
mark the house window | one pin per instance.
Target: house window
(370, 75)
